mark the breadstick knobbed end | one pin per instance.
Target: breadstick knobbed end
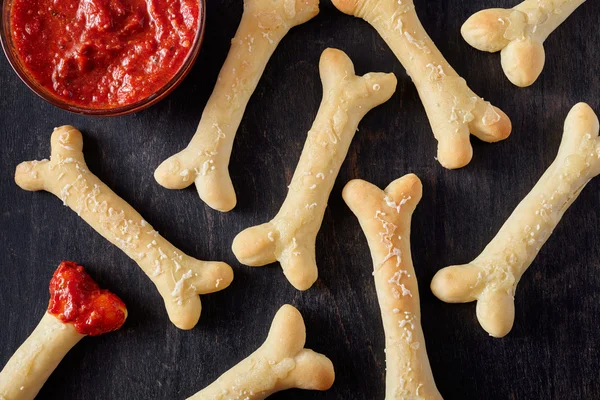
(485, 29)
(358, 192)
(305, 10)
(301, 269)
(287, 334)
(381, 84)
(490, 132)
(186, 315)
(350, 7)
(67, 141)
(456, 284)
(334, 65)
(216, 190)
(173, 173)
(408, 187)
(212, 276)
(313, 371)
(523, 61)
(286, 339)
(496, 312)
(27, 176)
(454, 149)
(206, 277)
(582, 120)
(363, 197)
(214, 186)
(255, 246)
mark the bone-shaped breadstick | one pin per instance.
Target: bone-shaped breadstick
(519, 34)
(280, 363)
(290, 237)
(452, 108)
(78, 307)
(492, 277)
(384, 216)
(178, 277)
(205, 160)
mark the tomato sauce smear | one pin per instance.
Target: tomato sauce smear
(76, 298)
(103, 53)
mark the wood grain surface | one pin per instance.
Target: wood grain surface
(553, 349)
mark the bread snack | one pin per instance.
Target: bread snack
(518, 33)
(178, 277)
(452, 108)
(205, 160)
(492, 277)
(384, 216)
(290, 237)
(77, 308)
(280, 363)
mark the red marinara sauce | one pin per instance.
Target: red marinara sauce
(76, 298)
(103, 53)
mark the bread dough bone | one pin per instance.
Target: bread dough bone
(518, 33)
(492, 277)
(384, 216)
(290, 237)
(205, 160)
(178, 277)
(27, 370)
(453, 109)
(280, 363)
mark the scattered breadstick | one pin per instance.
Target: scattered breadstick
(385, 219)
(519, 34)
(77, 308)
(452, 108)
(281, 363)
(205, 160)
(178, 277)
(492, 277)
(290, 237)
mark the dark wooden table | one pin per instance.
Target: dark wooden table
(553, 349)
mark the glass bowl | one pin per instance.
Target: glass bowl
(6, 39)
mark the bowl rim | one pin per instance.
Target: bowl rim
(16, 64)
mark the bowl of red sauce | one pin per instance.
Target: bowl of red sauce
(102, 57)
